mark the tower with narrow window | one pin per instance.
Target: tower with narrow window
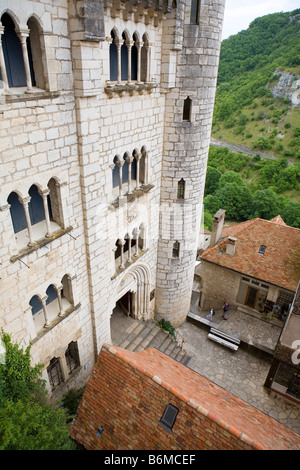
(194, 50)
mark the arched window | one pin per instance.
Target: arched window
(113, 58)
(124, 58)
(125, 170)
(134, 58)
(67, 291)
(36, 206)
(34, 49)
(145, 59)
(187, 109)
(51, 292)
(12, 51)
(115, 173)
(54, 202)
(17, 213)
(36, 305)
(37, 311)
(181, 189)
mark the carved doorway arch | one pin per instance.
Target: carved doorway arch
(136, 281)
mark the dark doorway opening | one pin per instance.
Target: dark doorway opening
(125, 303)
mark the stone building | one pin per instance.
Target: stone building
(252, 265)
(106, 110)
(284, 374)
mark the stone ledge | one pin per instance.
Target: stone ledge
(55, 322)
(131, 88)
(36, 95)
(136, 194)
(39, 244)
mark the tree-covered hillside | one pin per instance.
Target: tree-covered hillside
(245, 111)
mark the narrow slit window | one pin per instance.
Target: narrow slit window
(194, 19)
(187, 107)
(176, 247)
(168, 418)
(180, 189)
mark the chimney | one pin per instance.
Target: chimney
(230, 247)
(218, 222)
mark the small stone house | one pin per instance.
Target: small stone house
(250, 264)
(148, 401)
(284, 374)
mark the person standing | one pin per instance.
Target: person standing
(225, 310)
(210, 315)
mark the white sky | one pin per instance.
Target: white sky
(240, 13)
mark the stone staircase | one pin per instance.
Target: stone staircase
(147, 334)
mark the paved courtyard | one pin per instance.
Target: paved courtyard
(241, 372)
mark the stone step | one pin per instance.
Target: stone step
(144, 335)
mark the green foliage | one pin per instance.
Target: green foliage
(247, 66)
(212, 180)
(27, 422)
(17, 378)
(265, 204)
(291, 214)
(208, 221)
(167, 326)
(28, 425)
(211, 204)
(236, 200)
(264, 195)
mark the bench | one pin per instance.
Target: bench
(229, 340)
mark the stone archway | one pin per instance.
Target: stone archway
(134, 285)
(137, 281)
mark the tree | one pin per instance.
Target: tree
(212, 180)
(27, 421)
(236, 200)
(265, 204)
(211, 204)
(291, 214)
(231, 177)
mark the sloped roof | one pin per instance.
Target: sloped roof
(276, 266)
(110, 388)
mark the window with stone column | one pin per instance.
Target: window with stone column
(37, 215)
(129, 57)
(55, 303)
(128, 249)
(129, 172)
(21, 56)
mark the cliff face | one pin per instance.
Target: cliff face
(288, 86)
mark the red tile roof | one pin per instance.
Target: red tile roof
(276, 266)
(121, 383)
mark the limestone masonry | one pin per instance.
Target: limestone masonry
(106, 110)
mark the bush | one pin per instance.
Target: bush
(166, 326)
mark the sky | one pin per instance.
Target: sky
(240, 13)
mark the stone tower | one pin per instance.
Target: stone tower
(194, 57)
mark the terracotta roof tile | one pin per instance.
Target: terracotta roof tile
(237, 418)
(275, 266)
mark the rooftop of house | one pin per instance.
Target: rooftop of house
(268, 250)
(134, 385)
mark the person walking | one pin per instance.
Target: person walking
(225, 310)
